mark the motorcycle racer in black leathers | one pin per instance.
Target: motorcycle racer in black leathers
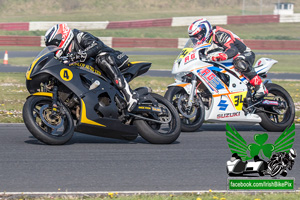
(232, 46)
(79, 46)
(280, 162)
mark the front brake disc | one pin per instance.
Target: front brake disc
(182, 108)
(53, 122)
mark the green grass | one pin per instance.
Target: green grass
(158, 62)
(22, 61)
(119, 10)
(12, 97)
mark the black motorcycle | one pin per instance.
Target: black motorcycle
(78, 97)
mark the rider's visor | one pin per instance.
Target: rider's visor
(198, 38)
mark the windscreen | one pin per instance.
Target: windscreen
(47, 50)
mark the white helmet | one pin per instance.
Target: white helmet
(200, 31)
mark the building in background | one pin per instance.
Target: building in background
(283, 9)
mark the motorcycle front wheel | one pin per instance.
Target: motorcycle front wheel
(53, 126)
(278, 119)
(160, 133)
(191, 119)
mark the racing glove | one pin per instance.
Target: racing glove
(220, 57)
(77, 56)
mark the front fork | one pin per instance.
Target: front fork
(54, 101)
(192, 92)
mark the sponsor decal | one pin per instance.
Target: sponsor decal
(228, 115)
(271, 159)
(66, 74)
(86, 67)
(238, 99)
(211, 79)
(223, 105)
(144, 107)
(269, 102)
(189, 58)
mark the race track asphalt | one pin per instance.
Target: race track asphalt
(195, 162)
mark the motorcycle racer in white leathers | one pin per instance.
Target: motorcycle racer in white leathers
(232, 46)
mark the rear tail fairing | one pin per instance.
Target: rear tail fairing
(135, 69)
(263, 65)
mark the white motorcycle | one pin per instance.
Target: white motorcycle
(215, 92)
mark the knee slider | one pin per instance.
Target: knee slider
(240, 64)
(120, 83)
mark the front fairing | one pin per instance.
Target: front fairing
(43, 60)
(189, 58)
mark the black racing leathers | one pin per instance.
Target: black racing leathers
(95, 48)
(234, 48)
(108, 59)
(85, 41)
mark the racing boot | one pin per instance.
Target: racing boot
(259, 88)
(108, 65)
(131, 97)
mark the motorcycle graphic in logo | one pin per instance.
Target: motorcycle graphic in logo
(281, 156)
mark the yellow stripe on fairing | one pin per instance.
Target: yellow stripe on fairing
(28, 73)
(136, 62)
(84, 119)
(47, 94)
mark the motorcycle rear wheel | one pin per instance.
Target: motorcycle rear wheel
(45, 125)
(280, 122)
(187, 124)
(157, 133)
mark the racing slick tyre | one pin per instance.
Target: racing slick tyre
(53, 126)
(191, 119)
(160, 133)
(277, 119)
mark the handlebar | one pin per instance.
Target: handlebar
(66, 60)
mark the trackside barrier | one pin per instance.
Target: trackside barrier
(186, 21)
(169, 22)
(290, 18)
(42, 26)
(15, 26)
(152, 42)
(273, 44)
(20, 41)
